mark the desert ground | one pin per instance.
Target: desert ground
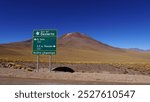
(18, 77)
(95, 74)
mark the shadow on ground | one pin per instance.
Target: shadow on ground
(63, 69)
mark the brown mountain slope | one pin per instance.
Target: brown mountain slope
(74, 47)
(81, 41)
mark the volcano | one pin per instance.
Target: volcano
(74, 47)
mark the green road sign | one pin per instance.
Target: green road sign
(44, 42)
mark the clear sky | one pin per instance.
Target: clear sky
(119, 23)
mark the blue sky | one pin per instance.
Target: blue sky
(119, 23)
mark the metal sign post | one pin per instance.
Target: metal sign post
(37, 63)
(50, 63)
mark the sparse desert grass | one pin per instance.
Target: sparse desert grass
(143, 67)
(70, 55)
(87, 66)
(126, 59)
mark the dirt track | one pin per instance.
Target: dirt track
(68, 78)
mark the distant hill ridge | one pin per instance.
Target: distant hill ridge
(140, 50)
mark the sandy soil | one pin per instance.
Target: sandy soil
(68, 78)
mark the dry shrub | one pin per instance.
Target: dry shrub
(29, 69)
(18, 66)
(10, 65)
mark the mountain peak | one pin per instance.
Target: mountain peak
(74, 35)
(79, 41)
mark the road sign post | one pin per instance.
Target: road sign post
(50, 63)
(44, 43)
(37, 63)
